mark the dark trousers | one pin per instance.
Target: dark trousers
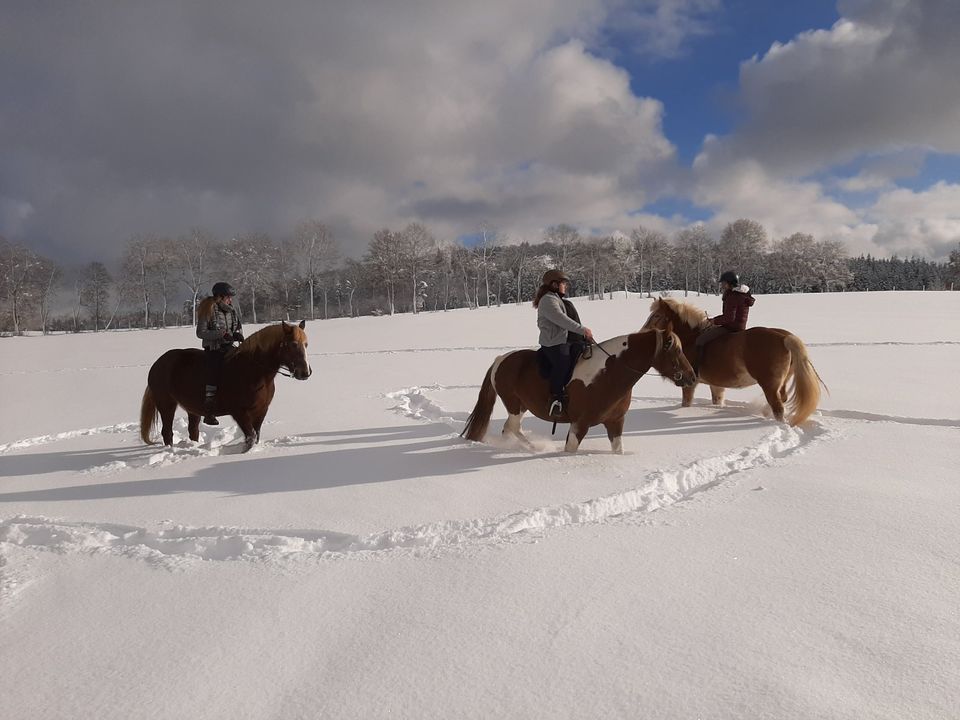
(710, 334)
(561, 358)
(214, 360)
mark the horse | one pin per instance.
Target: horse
(771, 357)
(599, 390)
(245, 390)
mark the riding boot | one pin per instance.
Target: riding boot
(557, 405)
(209, 401)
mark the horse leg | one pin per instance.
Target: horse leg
(167, 409)
(783, 391)
(193, 426)
(688, 396)
(716, 394)
(512, 426)
(772, 393)
(615, 434)
(245, 423)
(575, 436)
(258, 422)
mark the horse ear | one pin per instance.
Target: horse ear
(303, 324)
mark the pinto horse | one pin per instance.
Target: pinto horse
(599, 390)
(245, 390)
(769, 356)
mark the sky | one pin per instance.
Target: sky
(839, 119)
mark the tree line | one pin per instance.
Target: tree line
(158, 281)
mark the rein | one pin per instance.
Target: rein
(603, 350)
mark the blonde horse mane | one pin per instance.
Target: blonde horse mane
(693, 316)
(268, 338)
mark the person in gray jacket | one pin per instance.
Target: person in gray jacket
(218, 326)
(560, 330)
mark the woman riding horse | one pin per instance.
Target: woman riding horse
(737, 301)
(218, 326)
(560, 330)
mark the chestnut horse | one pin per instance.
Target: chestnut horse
(245, 389)
(599, 391)
(771, 357)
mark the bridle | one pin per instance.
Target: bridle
(668, 343)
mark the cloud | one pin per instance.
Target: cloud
(154, 117)
(881, 89)
(925, 223)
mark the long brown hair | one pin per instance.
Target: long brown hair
(544, 289)
(205, 308)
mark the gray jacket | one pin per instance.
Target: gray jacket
(553, 321)
(223, 320)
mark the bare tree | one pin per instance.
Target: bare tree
(162, 261)
(195, 251)
(353, 274)
(415, 242)
(566, 238)
(136, 266)
(48, 277)
(97, 281)
(384, 257)
(623, 259)
(483, 253)
(693, 250)
(316, 251)
(250, 260)
(597, 252)
(18, 265)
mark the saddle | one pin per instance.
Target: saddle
(578, 351)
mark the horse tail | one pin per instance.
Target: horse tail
(476, 427)
(148, 415)
(805, 390)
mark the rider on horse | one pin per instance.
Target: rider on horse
(737, 301)
(560, 329)
(218, 325)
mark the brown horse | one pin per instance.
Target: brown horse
(245, 390)
(768, 356)
(599, 391)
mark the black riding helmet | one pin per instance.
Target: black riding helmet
(222, 289)
(730, 277)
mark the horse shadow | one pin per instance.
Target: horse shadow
(342, 458)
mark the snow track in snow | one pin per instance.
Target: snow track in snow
(175, 546)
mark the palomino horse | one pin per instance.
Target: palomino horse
(245, 390)
(599, 391)
(768, 356)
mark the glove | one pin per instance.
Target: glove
(238, 336)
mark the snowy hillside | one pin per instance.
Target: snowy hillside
(364, 562)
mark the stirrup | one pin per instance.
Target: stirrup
(556, 408)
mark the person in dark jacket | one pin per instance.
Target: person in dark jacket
(737, 301)
(218, 326)
(560, 332)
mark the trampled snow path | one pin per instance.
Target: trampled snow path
(177, 545)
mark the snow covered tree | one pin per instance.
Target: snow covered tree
(741, 247)
(249, 259)
(195, 251)
(316, 252)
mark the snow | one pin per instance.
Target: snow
(364, 561)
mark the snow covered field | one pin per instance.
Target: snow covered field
(364, 562)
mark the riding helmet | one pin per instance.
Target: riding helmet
(222, 289)
(554, 276)
(730, 277)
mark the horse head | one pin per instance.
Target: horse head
(669, 359)
(292, 350)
